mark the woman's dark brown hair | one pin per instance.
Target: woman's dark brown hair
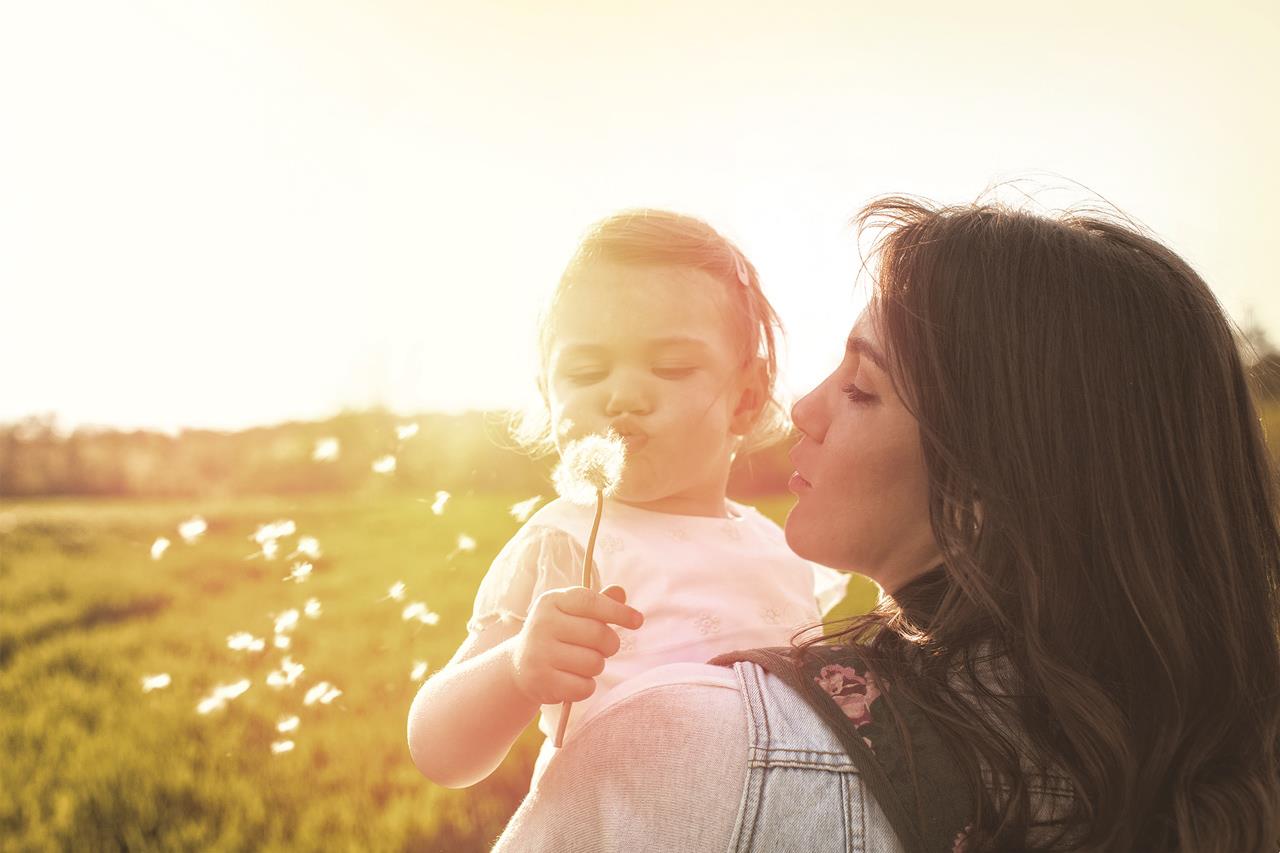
(1106, 509)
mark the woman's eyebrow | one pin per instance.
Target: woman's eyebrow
(861, 346)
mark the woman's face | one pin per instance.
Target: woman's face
(860, 475)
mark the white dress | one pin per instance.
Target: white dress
(705, 586)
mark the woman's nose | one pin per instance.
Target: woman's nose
(807, 415)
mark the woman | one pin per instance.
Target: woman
(1041, 444)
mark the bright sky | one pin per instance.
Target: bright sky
(231, 213)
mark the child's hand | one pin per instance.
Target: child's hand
(564, 642)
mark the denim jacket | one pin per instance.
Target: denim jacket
(726, 759)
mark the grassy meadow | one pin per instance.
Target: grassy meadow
(94, 762)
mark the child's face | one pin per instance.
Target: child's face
(649, 352)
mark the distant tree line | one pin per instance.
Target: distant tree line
(463, 453)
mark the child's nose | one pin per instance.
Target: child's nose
(627, 395)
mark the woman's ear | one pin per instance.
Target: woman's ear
(751, 391)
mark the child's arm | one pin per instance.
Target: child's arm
(466, 717)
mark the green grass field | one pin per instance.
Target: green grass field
(92, 762)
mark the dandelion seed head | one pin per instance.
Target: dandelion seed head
(312, 608)
(287, 724)
(419, 671)
(406, 431)
(158, 547)
(326, 449)
(159, 681)
(299, 573)
(588, 465)
(308, 546)
(384, 465)
(521, 511)
(192, 529)
(442, 498)
(280, 746)
(466, 544)
(397, 591)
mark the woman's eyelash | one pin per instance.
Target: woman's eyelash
(856, 394)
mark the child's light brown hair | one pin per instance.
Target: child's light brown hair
(660, 238)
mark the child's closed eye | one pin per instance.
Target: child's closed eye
(674, 371)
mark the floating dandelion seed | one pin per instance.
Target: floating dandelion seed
(384, 465)
(326, 449)
(158, 547)
(243, 641)
(286, 675)
(286, 621)
(521, 511)
(397, 591)
(155, 682)
(413, 611)
(282, 641)
(299, 573)
(308, 546)
(287, 724)
(221, 695)
(406, 431)
(442, 498)
(465, 546)
(274, 530)
(419, 671)
(312, 608)
(589, 465)
(192, 529)
(324, 693)
(430, 617)
(279, 746)
(270, 548)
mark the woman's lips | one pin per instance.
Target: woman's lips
(635, 441)
(798, 484)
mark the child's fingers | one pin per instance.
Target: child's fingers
(567, 687)
(580, 601)
(577, 660)
(586, 633)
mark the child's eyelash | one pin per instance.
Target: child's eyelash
(856, 394)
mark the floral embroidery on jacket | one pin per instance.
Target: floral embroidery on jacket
(852, 691)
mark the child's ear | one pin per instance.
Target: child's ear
(752, 384)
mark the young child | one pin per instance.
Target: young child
(658, 331)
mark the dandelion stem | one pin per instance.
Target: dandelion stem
(586, 581)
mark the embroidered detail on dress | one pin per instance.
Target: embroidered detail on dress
(732, 532)
(626, 641)
(852, 691)
(771, 615)
(678, 533)
(707, 623)
(609, 543)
